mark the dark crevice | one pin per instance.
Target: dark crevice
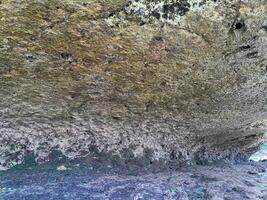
(253, 54)
(238, 25)
(264, 28)
(245, 47)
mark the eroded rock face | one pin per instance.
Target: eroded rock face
(175, 80)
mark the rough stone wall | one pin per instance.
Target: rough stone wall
(174, 80)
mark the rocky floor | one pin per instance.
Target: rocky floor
(227, 182)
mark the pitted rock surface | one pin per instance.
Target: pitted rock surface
(181, 80)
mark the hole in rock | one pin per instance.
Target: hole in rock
(238, 25)
(245, 47)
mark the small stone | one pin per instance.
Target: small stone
(62, 168)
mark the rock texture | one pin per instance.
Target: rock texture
(178, 80)
(238, 182)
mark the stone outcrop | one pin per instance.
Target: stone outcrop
(181, 80)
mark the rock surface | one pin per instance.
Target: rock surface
(181, 80)
(238, 182)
